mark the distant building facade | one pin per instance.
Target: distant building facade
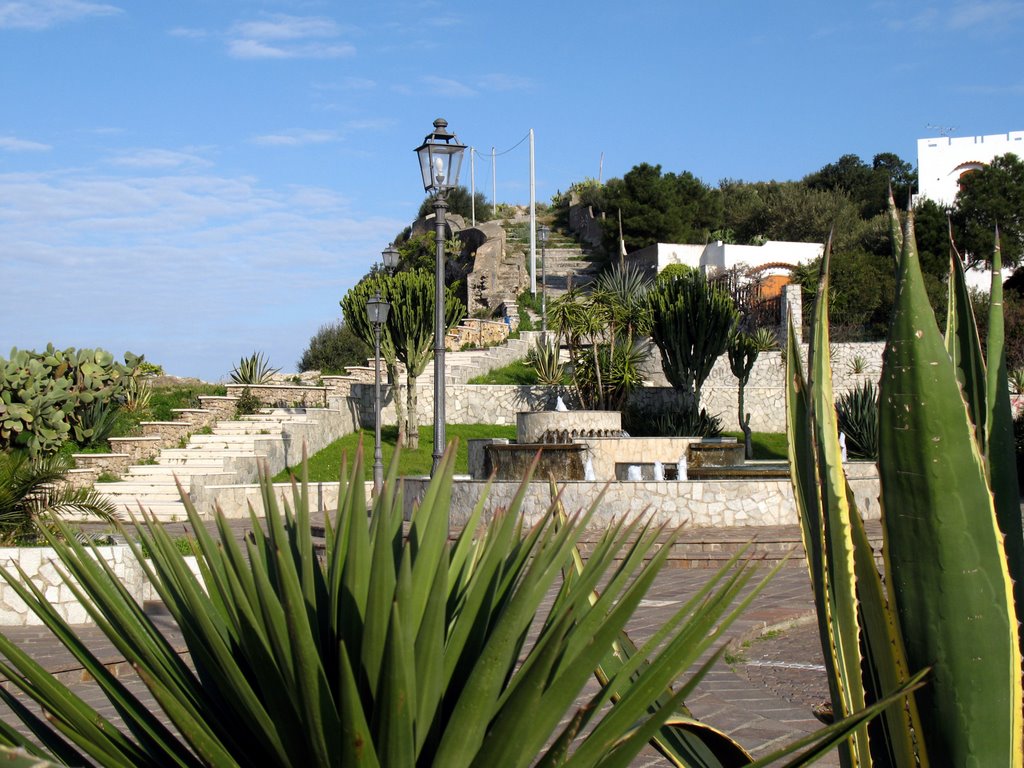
(942, 161)
(771, 262)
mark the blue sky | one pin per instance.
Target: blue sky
(198, 179)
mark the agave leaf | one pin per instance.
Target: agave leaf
(895, 230)
(824, 740)
(964, 346)
(956, 601)
(844, 629)
(1000, 444)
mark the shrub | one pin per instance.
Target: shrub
(333, 348)
(680, 419)
(247, 403)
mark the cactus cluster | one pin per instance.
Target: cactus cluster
(46, 398)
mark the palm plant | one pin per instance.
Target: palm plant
(33, 493)
(384, 647)
(252, 370)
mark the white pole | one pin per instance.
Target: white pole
(600, 168)
(533, 222)
(494, 187)
(472, 184)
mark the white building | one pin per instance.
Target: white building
(772, 256)
(942, 161)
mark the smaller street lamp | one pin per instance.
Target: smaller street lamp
(377, 313)
(542, 235)
(390, 256)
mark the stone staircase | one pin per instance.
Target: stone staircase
(230, 454)
(565, 267)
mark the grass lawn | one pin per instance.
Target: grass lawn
(325, 466)
(516, 372)
(767, 445)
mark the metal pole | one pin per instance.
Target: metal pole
(543, 292)
(440, 207)
(472, 186)
(494, 186)
(378, 455)
(533, 224)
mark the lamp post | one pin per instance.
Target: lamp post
(440, 157)
(542, 235)
(377, 314)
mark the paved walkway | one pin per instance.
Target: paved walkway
(761, 694)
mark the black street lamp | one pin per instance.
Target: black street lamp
(440, 157)
(377, 314)
(542, 235)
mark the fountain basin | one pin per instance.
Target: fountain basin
(715, 453)
(562, 461)
(775, 470)
(565, 426)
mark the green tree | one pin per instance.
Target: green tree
(334, 347)
(989, 197)
(657, 208)
(408, 335)
(692, 323)
(866, 185)
(460, 204)
(801, 214)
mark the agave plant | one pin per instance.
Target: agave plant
(544, 358)
(254, 369)
(33, 492)
(952, 541)
(857, 418)
(389, 646)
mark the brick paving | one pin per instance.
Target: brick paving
(761, 693)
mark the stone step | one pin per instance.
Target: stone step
(230, 440)
(175, 456)
(197, 465)
(164, 511)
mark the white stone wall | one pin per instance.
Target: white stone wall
(40, 563)
(693, 503)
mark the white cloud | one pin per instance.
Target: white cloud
(188, 32)
(193, 270)
(280, 36)
(11, 144)
(444, 86)
(296, 138)
(965, 15)
(502, 82)
(283, 27)
(42, 14)
(158, 158)
(257, 49)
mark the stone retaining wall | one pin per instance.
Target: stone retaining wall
(694, 502)
(39, 564)
(283, 395)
